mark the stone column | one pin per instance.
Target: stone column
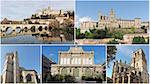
(122, 78)
(14, 68)
(128, 78)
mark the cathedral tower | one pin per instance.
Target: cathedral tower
(112, 14)
(11, 69)
(139, 60)
(140, 64)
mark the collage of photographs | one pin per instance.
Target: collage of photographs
(74, 41)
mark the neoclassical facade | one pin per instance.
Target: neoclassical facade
(13, 73)
(112, 21)
(135, 72)
(78, 63)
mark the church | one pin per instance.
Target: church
(112, 21)
(135, 72)
(13, 73)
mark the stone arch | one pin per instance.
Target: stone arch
(76, 72)
(26, 29)
(49, 28)
(46, 28)
(40, 28)
(28, 78)
(32, 29)
(18, 29)
(9, 30)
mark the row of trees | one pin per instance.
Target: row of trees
(48, 78)
(107, 33)
(58, 78)
(99, 34)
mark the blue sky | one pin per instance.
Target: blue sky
(88, 10)
(52, 52)
(125, 53)
(20, 9)
(29, 56)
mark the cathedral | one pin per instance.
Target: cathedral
(13, 73)
(135, 72)
(78, 63)
(111, 21)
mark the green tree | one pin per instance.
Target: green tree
(69, 33)
(93, 30)
(77, 33)
(82, 36)
(138, 40)
(111, 53)
(101, 34)
(133, 29)
(117, 35)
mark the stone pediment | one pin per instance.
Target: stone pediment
(76, 50)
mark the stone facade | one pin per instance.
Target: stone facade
(78, 63)
(58, 15)
(111, 21)
(85, 26)
(11, 69)
(13, 73)
(135, 72)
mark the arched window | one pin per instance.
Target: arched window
(119, 26)
(46, 28)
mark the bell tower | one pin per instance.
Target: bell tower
(140, 64)
(139, 60)
(112, 13)
(99, 16)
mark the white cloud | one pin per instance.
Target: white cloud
(76, 21)
(79, 20)
(84, 19)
